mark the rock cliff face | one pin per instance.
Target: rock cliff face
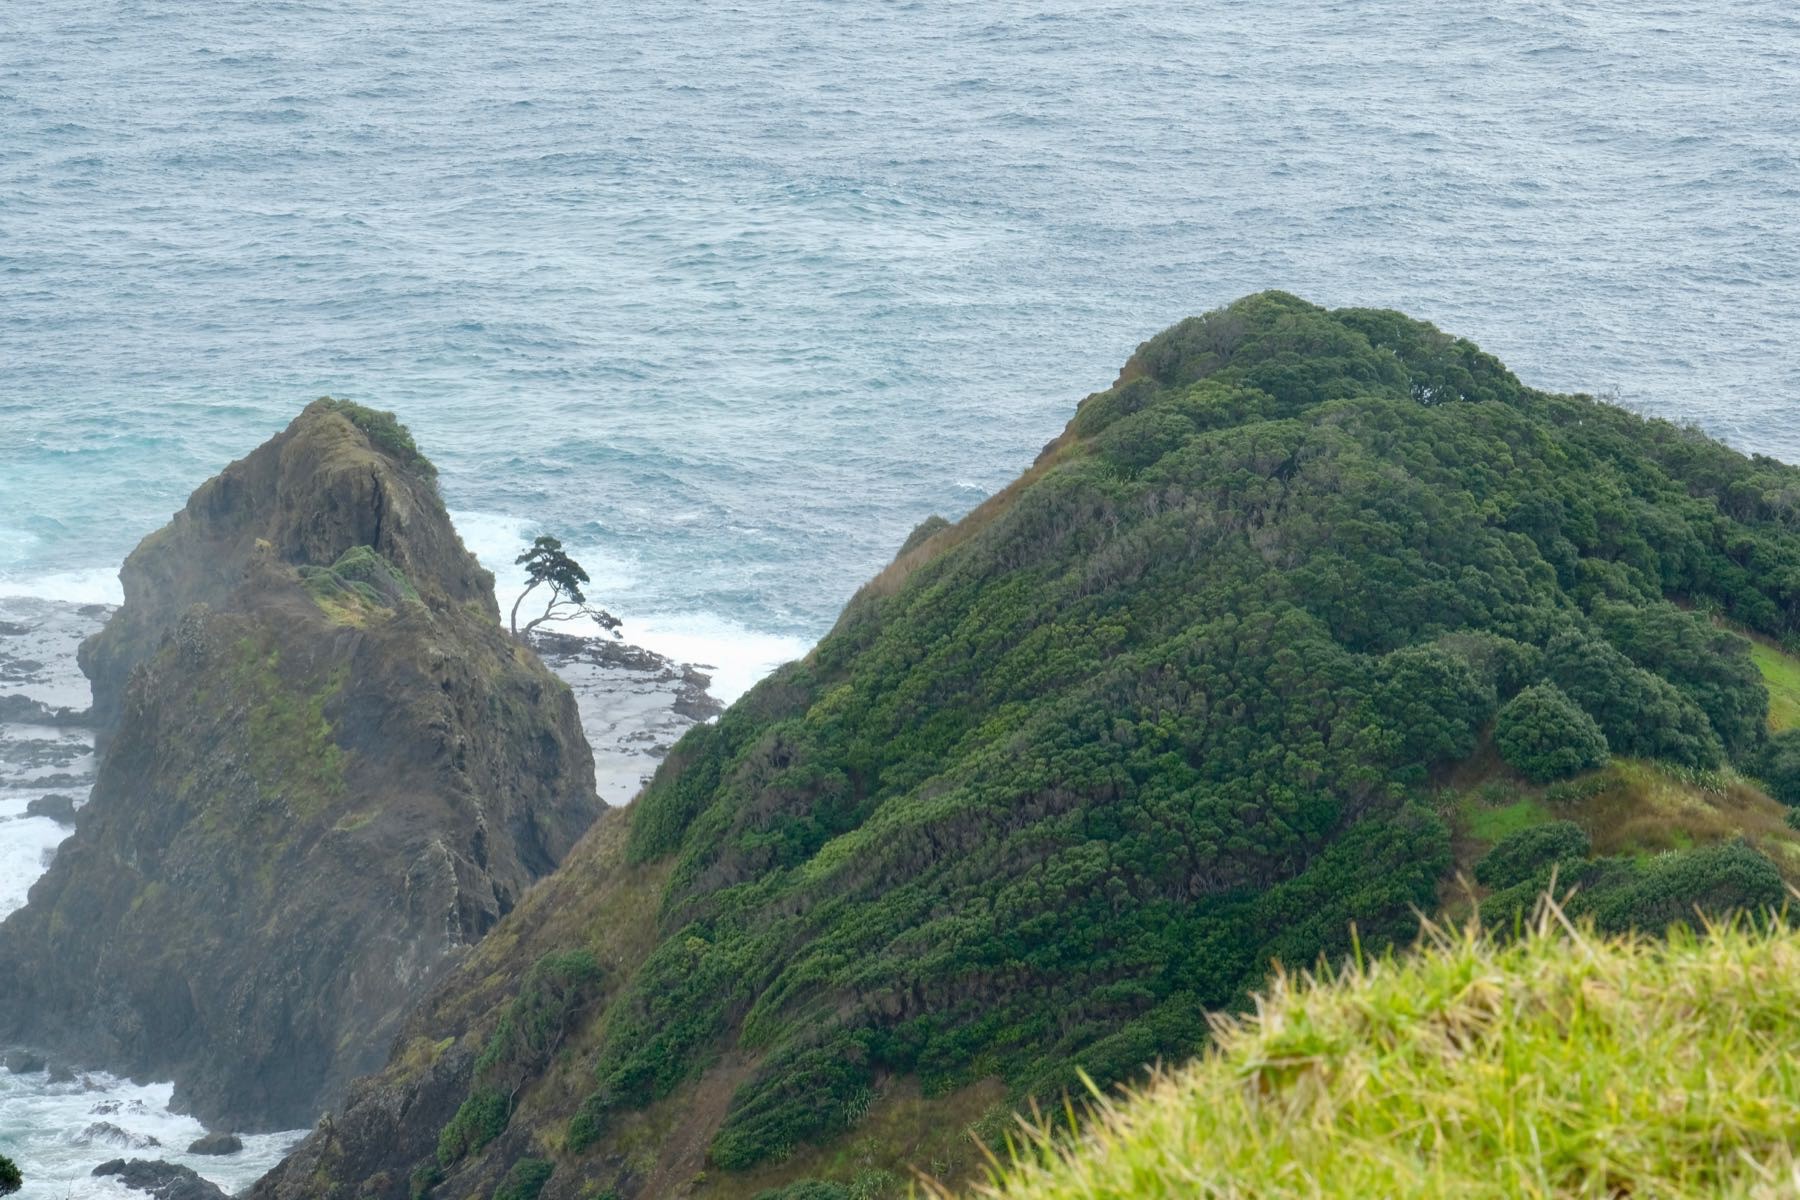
(327, 772)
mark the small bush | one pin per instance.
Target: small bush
(1544, 735)
(526, 1179)
(10, 1179)
(481, 1119)
(1520, 856)
(1714, 880)
(1780, 767)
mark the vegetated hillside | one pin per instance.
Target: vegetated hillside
(1563, 1064)
(1304, 612)
(328, 772)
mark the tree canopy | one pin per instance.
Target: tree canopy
(547, 566)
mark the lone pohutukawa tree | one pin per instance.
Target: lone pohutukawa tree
(547, 566)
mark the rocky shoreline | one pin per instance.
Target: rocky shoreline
(46, 749)
(635, 704)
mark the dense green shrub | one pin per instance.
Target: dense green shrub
(1544, 735)
(1052, 791)
(1708, 665)
(1524, 855)
(1647, 895)
(553, 993)
(480, 1119)
(807, 1189)
(1640, 713)
(1780, 767)
(425, 1177)
(525, 1179)
(385, 430)
(10, 1179)
(1674, 887)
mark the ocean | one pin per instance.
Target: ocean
(730, 296)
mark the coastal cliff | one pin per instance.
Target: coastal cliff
(327, 772)
(1309, 616)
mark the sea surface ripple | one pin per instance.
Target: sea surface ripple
(730, 296)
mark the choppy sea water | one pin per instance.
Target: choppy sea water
(730, 296)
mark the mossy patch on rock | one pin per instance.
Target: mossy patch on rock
(360, 582)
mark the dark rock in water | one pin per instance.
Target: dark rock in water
(24, 1062)
(38, 653)
(165, 1181)
(327, 772)
(217, 1143)
(25, 709)
(106, 1131)
(58, 808)
(61, 1074)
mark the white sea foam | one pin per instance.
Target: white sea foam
(94, 585)
(43, 1126)
(26, 844)
(735, 655)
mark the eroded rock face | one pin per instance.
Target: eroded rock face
(328, 771)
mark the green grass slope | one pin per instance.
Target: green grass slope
(1308, 612)
(1561, 1064)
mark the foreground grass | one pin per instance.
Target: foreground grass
(1559, 1065)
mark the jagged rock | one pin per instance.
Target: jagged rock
(112, 1135)
(26, 710)
(327, 771)
(216, 1144)
(165, 1181)
(58, 808)
(24, 1062)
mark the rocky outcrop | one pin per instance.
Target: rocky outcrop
(163, 1180)
(214, 1145)
(341, 477)
(328, 771)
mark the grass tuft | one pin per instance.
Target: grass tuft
(1558, 1064)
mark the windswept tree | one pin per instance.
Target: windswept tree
(547, 566)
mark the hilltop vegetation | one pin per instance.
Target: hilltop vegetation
(1562, 1064)
(1307, 612)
